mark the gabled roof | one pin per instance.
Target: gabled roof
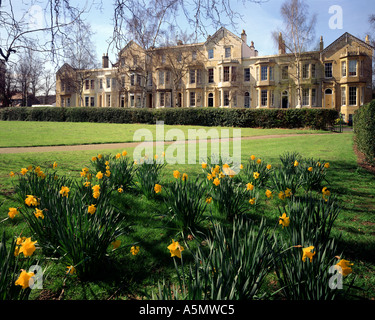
(345, 37)
(220, 32)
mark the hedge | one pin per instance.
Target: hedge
(364, 131)
(320, 119)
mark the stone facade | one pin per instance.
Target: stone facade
(224, 71)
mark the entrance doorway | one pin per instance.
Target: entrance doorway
(247, 100)
(150, 100)
(285, 100)
(328, 96)
(211, 99)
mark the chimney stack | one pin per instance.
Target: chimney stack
(105, 61)
(321, 43)
(367, 40)
(244, 36)
(281, 44)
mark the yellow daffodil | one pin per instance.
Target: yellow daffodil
(100, 156)
(310, 169)
(107, 173)
(250, 186)
(282, 195)
(344, 267)
(204, 165)
(308, 253)
(54, 166)
(269, 166)
(12, 212)
(241, 166)
(175, 249)
(120, 190)
(71, 269)
(99, 175)
(284, 220)
(326, 165)
(209, 176)
(256, 175)
(92, 209)
(216, 181)
(24, 171)
(11, 174)
(252, 157)
(269, 194)
(31, 201)
(39, 213)
(296, 163)
(96, 194)
(209, 200)
(184, 177)
(27, 247)
(94, 159)
(157, 188)
(96, 188)
(30, 167)
(259, 161)
(64, 191)
(134, 250)
(106, 163)
(24, 279)
(176, 174)
(252, 201)
(87, 184)
(326, 192)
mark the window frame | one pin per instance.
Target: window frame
(328, 72)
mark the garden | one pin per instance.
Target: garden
(292, 221)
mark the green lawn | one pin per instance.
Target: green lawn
(353, 186)
(26, 134)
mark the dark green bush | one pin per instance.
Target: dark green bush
(239, 117)
(364, 130)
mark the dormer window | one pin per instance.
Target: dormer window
(210, 53)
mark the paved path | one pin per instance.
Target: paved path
(131, 144)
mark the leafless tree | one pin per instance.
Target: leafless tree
(7, 84)
(47, 85)
(80, 55)
(182, 56)
(298, 34)
(37, 24)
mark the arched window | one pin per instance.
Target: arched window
(328, 91)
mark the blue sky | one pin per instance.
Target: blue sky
(259, 20)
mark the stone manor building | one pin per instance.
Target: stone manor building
(225, 72)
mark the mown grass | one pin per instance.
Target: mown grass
(34, 133)
(129, 276)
